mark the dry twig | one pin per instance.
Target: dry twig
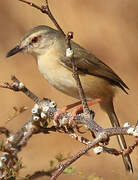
(44, 110)
(41, 113)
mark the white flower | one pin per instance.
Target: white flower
(135, 133)
(45, 108)
(52, 104)
(130, 130)
(69, 52)
(35, 109)
(21, 85)
(10, 139)
(25, 133)
(36, 118)
(98, 149)
(127, 124)
(3, 158)
(43, 115)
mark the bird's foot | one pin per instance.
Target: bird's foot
(62, 111)
(73, 113)
(80, 110)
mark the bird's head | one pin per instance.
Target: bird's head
(36, 42)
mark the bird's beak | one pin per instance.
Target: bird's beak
(14, 51)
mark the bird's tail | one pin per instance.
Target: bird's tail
(121, 140)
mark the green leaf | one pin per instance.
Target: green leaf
(69, 170)
(51, 162)
(59, 157)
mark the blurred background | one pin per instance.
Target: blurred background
(107, 28)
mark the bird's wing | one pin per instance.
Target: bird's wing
(88, 63)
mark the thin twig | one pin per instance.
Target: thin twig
(63, 166)
(39, 174)
(45, 9)
(5, 131)
(76, 76)
(19, 86)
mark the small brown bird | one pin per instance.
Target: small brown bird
(48, 46)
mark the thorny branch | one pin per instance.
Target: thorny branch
(44, 110)
(41, 113)
(92, 126)
(69, 54)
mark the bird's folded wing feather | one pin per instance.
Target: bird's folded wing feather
(88, 63)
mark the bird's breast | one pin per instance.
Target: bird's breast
(56, 74)
(61, 78)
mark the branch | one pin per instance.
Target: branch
(19, 86)
(45, 9)
(39, 174)
(44, 110)
(5, 131)
(41, 113)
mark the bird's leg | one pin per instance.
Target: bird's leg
(64, 109)
(74, 112)
(80, 109)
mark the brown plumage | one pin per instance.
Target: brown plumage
(48, 46)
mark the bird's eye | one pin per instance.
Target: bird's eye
(35, 39)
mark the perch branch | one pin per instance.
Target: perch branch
(44, 109)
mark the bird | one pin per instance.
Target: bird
(48, 47)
